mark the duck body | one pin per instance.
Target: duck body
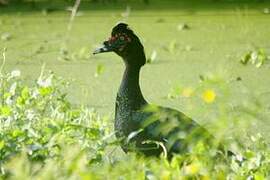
(142, 126)
(154, 124)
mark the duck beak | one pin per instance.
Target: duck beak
(106, 47)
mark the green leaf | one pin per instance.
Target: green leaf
(182, 27)
(249, 154)
(172, 46)
(25, 93)
(44, 91)
(152, 57)
(83, 53)
(257, 57)
(7, 95)
(6, 36)
(2, 144)
(16, 133)
(99, 70)
(5, 111)
(20, 101)
(246, 58)
(259, 176)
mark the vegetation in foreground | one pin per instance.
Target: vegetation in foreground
(44, 137)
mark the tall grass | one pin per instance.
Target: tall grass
(43, 136)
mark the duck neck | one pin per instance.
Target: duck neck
(130, 94)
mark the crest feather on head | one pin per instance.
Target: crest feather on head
(121, 28)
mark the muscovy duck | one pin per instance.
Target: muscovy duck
(140, 126)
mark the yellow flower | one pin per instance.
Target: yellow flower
(192, 169)
(209, 96)
(187, 92)
(165, 175)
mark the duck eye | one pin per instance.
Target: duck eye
(122, 38)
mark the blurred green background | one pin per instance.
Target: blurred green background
(191, 44)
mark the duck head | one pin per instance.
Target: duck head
(124, 43)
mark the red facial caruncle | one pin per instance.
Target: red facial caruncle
(121, 37)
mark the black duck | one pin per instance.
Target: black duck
(140, 126)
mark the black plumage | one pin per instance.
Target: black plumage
(140, 126)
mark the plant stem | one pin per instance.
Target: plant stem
(73, 13)
(2, 77)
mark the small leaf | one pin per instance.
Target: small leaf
(83, 53)
(254, 57)
(25, 93)
(44, 91)
(259, 64)
(39, 50)
(5, 111)
(153, 57)
(188, 48)
(126, 13)
(2, 144)
(238, 78)
(99, 70)
(6, 36)
(246, 58)
(202, 78)
(259, 176)
(187, 92)
(182, 27)
(63, 51)
(160, 20)
(16, 133)
(192, 168)
(172, 46)
(20, 101)
(257, 57)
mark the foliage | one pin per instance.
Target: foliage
(256, 57)
(43, 136)
(39, 121)
(152, 58)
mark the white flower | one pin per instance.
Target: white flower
(9, 101)
(15, 73)
(30, 115)
(35, 94)
(239, 157)
(45, 82)
(12, 88)
(7, 121)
